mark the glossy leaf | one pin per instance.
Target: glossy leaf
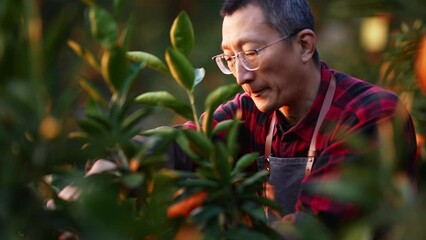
(118, 7)
(220, 95)
(78, 135)
(180, 68)
(263, 201)
(222, 163)
(224, 126)
(206, 171)
(182, 34)
(244, 162)
(206, 214)
(104, 28)
(133, 71)
(232, 138)
(346, 191)
(133, 180)
(254, 210)
(134, 118)
(92, 91)
(159, 139)
(114, 68)
(85, 54)
(161, 131)
(199, 143)
(202, 183)
(150, 60)
(257, 177)
(186, 147)
(175, 174)
(199, 75)
(163, 98)
(214, 99)
(91, 127)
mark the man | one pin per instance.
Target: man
(301, 115)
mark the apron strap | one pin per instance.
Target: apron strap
(324, 109)
(328, 99)
(268, 142)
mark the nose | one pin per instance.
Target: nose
(241, 74)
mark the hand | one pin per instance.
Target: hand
(72, 193)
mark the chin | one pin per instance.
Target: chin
(264, 108)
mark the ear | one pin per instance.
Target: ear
(307, 41)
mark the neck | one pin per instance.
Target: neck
(296, 111)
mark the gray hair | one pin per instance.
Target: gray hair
(288, 17)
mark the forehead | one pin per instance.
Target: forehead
(246, 24)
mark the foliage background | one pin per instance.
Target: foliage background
(39, 75)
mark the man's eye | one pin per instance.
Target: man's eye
(228, 58)
(250, 53)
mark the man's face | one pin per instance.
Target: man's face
(274, 84)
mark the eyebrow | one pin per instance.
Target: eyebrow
(240, 42)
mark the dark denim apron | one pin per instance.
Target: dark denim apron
(286, 174)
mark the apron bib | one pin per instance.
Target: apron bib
(286, 174)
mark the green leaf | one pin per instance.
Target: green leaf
(150, 60)
(257, 177)
(134, 118)
(222, 163)
(91, 127)
(78, 135)
(213, 100)
(345, 190)
(160, 139)
(224, 125)
(254, 210)
(180, 68)
(93, 92)
(161, 131)
(200, 144)
(175, 174)
(203, 183)
(263, 201)
(244, 162)
(133, 180)
(163, 98)
(186, 147)
(115, 68)
(182, 34)
(199, 75)
(133, 71)
(84, 54)
(104, 28)
(127, 33)
(220, 95)
(244, 233)
(206, 171)
(118, 7)
(206, 214)
(231, 138)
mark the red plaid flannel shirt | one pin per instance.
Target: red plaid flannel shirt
(357, 110)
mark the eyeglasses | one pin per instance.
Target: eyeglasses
(249, 59)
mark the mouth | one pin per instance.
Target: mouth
(258, 93)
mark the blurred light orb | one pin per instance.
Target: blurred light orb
(420, 65)
(374, 33)
(50, 127)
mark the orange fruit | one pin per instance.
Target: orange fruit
(184, 207)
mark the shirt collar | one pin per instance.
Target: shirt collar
(305, 127)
